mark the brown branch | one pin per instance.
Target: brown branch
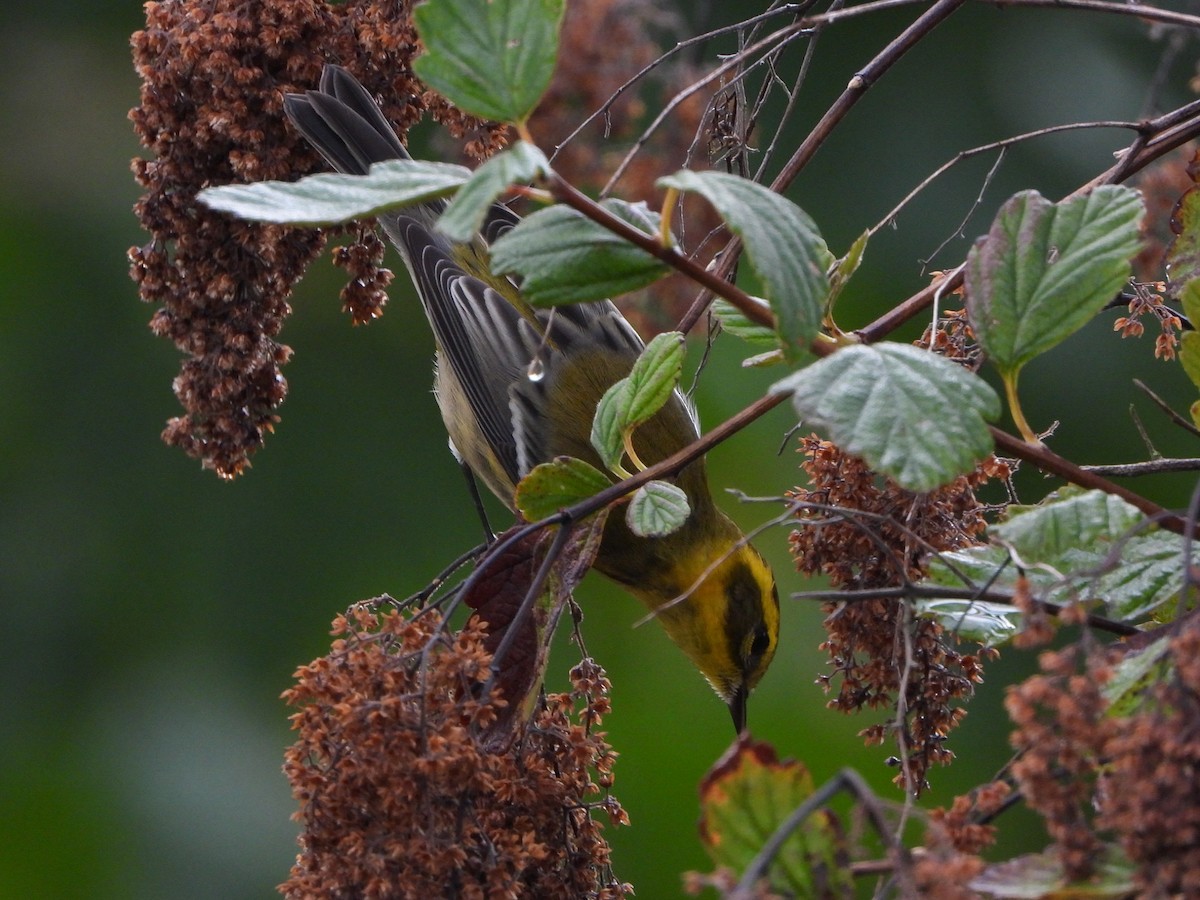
(863, 80)
(936, 592)
(1049, 461)
(1149, 467)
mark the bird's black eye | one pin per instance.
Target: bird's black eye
(761, 642)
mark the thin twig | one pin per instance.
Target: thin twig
(941, 592)
(651, 66)
(782, 37)
(1149, 467)
(1000, 145)
(1166, 408)
(1049, 461)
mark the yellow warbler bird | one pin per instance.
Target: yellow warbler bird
(503, 422)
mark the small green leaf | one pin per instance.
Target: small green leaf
(557, 484)
(490, 58)
(1189, 347)
(783, 244)
(911, 414)
(845, 268)
(1189, 298)
(656, 509)
(564, 257)
(749, 794)
(519, 164)
(329, 199)
(653, 377)
(736, 323)
(987, 624)
(638, 396)
(1075, 546)
(1189, 356)
(1130, 678)
(1040, 876)
(1066, 520)
(1045, 269)
(608, 436)
(762, 360)
(1183, 254)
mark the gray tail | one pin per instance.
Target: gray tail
(344, 123)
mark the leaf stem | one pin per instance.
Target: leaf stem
(1014, 408)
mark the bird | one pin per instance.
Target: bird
(517, 387)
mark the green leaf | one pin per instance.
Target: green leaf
(653, 377)
(1075, 546)
(656, 509)
(490, 58)
(608, 437)
(762, 360)
(519, 164)
(1040, 876)
(783, 245)
(1045, 269)
(556, 485)
(564, 257)
(845, 268)
(1189, 356)
(911, 414)
(745, 797)
(736, 323)
(1189, 347)
(1183, 254)
(987, 624)
(638, 396)
(1189, 298)
(329, 199)
(1066, 521)
(1134, 674)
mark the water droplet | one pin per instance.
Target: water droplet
(536, 371)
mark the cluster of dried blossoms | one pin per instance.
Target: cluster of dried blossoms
(863, 531)
(407, 790)
(1096, 774)
(213, 74)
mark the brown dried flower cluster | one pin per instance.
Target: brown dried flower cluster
(949, 860)
(868, 532)
(405, 791)
(1095, 775)
(213, 77)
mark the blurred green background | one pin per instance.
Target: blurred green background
(154, 614)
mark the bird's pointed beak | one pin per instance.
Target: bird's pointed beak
(737, 708)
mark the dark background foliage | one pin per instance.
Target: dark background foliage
(154, 614)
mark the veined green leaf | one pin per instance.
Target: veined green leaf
(1075, 546)
(656, 509)
(564, 257)
(329, 199)
(491, 58)
(911, 414)
(556, 485)
(634, 399)
(783, 245)
(519, 164)
(745, 797)
(1046, 269)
